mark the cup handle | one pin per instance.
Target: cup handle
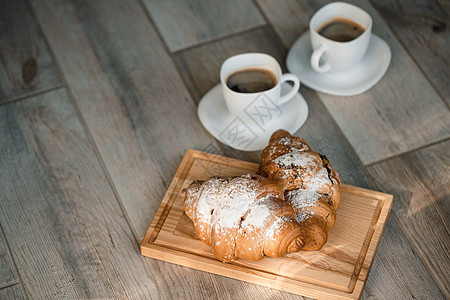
(290, 95)
(315, 60)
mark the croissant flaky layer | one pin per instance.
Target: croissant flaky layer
(308, 181)
(243, 217)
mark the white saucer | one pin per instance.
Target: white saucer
(355, 81)
(251, 134)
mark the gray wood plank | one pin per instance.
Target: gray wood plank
(200, 68)
(401, 113)
(445, 5)
(397, 272)
(420, 181)
(289, 18)
(422, 28)
(131, 97)
(7, 275)
(66, 230)
(26, 65)
(12, 292)
(187, 23)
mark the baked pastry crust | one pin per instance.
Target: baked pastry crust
(242, 217)
(309, 184)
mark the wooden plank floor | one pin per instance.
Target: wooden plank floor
(397, 272)
(182, 23)
(98, 105)
(422, 28)
(420, 181)
(65, 228)
(12, 292)
(7, 276)
(26, 65)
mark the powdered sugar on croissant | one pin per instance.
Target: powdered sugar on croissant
(242, 217)
(309, 183)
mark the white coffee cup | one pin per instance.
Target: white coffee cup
(238, 102)
(338, 56)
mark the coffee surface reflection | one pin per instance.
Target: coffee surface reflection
(251, 81)
(340, 30)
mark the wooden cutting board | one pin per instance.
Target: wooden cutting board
(337, 271)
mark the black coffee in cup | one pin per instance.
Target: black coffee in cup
(251, 81)
(340, 30)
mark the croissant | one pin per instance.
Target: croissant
(242, 217)
(309, 183)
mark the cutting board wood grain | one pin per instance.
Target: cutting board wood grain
(337, 271)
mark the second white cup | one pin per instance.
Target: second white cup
(333, 55)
